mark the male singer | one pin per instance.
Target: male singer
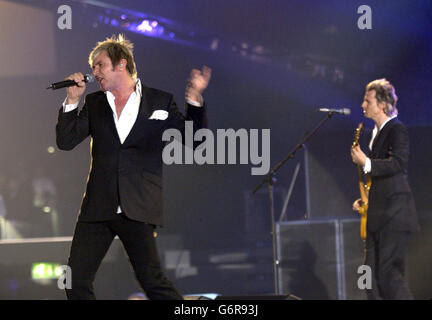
(391, 216)
(123, 197)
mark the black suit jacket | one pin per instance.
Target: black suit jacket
(129, 174)
(390, 197)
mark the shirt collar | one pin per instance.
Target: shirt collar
(384, 123)
(138, 89)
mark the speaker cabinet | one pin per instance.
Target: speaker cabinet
(318, 259)
(332, 177)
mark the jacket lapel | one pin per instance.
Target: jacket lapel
(381, 136)
(144, 112)
(146, 105)
(107, 115)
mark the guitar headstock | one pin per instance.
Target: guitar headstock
(357, 134)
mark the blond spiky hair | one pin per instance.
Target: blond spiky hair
(117, 48)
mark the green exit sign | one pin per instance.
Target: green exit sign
(46, 270)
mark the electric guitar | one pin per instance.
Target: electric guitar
(364, 187)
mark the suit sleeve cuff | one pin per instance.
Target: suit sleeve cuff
(368, 166)
(69, 107)
(195, 103)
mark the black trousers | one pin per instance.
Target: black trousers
(91, 242)
(385, 252)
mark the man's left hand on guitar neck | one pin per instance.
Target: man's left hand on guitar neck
(358, 156)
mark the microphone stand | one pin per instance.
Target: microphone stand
(270, 180)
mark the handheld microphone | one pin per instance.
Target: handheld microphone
(344, 111)
(68, 83)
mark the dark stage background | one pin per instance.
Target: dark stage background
(273, 64)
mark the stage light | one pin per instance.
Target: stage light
(160, 30)
(46, 270)
(46, 209)
(214, 44)
(145, 26)
(51, 149)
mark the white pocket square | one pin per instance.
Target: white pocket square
(159, 115)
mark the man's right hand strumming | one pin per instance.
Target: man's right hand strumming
(74, 93)
(356, 205)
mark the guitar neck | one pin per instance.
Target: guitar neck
(363, 191)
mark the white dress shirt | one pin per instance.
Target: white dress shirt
(368, 165)
(129, 114)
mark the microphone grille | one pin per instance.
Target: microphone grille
(346, 111)
(88, 78)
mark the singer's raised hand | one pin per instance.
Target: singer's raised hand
(74, 93)
(197, 83)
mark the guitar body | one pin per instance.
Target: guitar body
(363, 211)
(364, 189)
(363, 220)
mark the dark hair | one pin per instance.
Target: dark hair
(384, 92)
